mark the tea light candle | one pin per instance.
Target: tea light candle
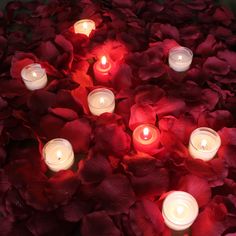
(84, 26)
(34, 76)
(179, 210)
(104, 69)
(146, 138)
(58, 154)
(204, 143)
(180, 58)
(101, 100)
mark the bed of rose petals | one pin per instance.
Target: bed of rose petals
(112, 190)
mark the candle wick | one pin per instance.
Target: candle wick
(34, 74)
(59, 155)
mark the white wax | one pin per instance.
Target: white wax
(58, 154)
(34, 76)
(179, 210)
(84, 26)
(204, 143)
(101, 100)
(180, 58)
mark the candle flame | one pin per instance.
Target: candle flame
(102, 100)
(34, 74)
(146, 131)
(180, 57)
(203, 144)
(85, 25)
(103, 60)
(59, 154)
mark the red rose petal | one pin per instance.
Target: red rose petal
(141, 114)
(198, 187)
(62, 186)
(228, 136)
(77, 128)
(155, 70)
(154, 183)
(94, 169)
(112, 139)
(227, 152)
(146, 219)
(229, 57)
(98, 223)
(169, 106)
(65, 113)
(215, 66)
(115, 194)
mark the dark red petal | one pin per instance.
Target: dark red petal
(227, 152)
(198, 187)
(228, 136)
(146, 219)
(98, 223)
(154, 183)
(141, 114)
(62, 186)
(19, 61)
(72, 129)
(106, 139)
(94, 169)
(207, 47)
(229, 57)
(215, 66)
(64, 113)
(169, 106)
(115, 194)
(155, 70)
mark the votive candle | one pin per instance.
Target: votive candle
(58, 154)
(101, 100)
(179, 210)
(84, 26)
(146, 138)
(204, 143)
(180, 58)
(104, 69)
(34, 76)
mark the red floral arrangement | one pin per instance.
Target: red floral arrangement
(113, 190)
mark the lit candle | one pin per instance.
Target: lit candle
(58, 154)
(146, 138)
(84, 26)
(204, 143)
(180, 58)
(104, 69)
(101, 100)
(34, 76)
(179, 210)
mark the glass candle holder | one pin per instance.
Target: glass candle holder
(146, 138)
(179, 210)
(34, 76)
(180, 58)
(84, 26)
(58, 154)
(104, 70)
(204, 143)
(101, 100)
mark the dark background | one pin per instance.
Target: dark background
(230, 3)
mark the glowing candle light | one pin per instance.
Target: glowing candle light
(179, 210)
(34, 76)
(204, 143)
(146, 138)
(101, 100)
(180, 58)
(58, 154)
(104, 70)
(84, 26)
